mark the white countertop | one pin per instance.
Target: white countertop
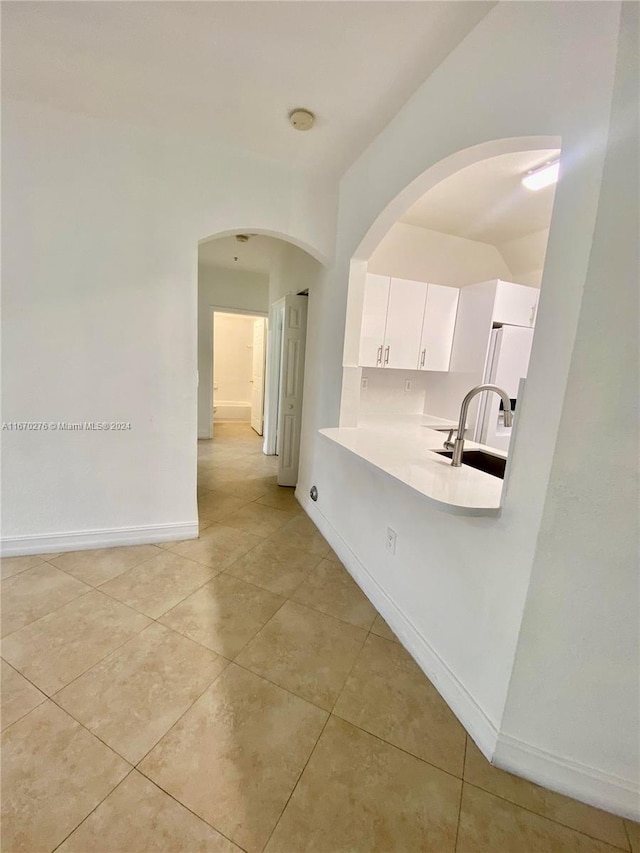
(402, 447)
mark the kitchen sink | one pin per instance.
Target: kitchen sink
(486, 462)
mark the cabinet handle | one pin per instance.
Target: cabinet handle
(386, 355)
(379, 355)
(422, 357)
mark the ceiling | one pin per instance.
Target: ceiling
(486, 201)
(233, 70)
(259, 255)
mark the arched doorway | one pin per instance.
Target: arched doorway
(255, 273)
(463, 259)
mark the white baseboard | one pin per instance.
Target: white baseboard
(587, 784)
(80, 540)
(483, 731)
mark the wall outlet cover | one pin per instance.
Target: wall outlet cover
(391, 540)
(364, 383)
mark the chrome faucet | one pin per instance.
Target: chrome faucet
(458, 445)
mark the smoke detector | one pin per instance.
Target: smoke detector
(301, 119)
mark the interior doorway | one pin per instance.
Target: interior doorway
(238, 368)
(261, 284)
(283, 422)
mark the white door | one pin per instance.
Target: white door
(257, 376)
(272, 382)
(374, 318)
(294, 331)
(404, 323)
(438, 327)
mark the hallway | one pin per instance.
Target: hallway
(239, 692)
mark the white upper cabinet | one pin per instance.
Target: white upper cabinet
(374, 320)
(482, 307)
(407, 325)
(438, 327)
(515, 304)
(404, 323)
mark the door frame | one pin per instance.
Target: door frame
(272, 378)
(222, 309)
(263, 399)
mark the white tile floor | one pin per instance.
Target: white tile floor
(239, 692)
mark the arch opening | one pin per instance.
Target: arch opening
(465, 225)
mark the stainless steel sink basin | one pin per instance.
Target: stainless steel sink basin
(486, 462)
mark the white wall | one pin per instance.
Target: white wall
(408, 251)
(294, 270)
(232, 357)
(100, 304)
(239, 289)
(525, 257)
(219, 287)
(458, 584)
(575, 689)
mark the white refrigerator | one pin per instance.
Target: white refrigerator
(507, 364)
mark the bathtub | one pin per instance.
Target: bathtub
(229, 410)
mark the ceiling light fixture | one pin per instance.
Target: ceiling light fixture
(542, 177)
(301, 119)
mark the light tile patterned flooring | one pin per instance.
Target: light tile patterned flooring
(239, 692)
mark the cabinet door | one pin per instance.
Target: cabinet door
(374, 318)
(516, 304)
(438, 327)
(404, 323)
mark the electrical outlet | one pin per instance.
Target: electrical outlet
(392, 537)
(364, 383)
(407, 384)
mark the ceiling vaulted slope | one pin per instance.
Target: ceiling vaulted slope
(231, 71)
(487, 202)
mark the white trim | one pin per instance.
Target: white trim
(587, 784)
(80, 540)
(579, 781)
(221, 309)
(480, 727)
(272, 377)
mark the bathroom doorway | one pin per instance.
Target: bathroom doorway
(238, 368)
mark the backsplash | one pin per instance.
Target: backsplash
(385, 391)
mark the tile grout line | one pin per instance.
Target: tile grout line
(22, 716)
(550, 819)
(169, 609)
(87, 816)
(55, 609)
(330, 714)
(195, 814)
(297, 782)
(464, 764)
(399, 748)
(86, 550)
(119, 648)
(186, 711)
(110, 652)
